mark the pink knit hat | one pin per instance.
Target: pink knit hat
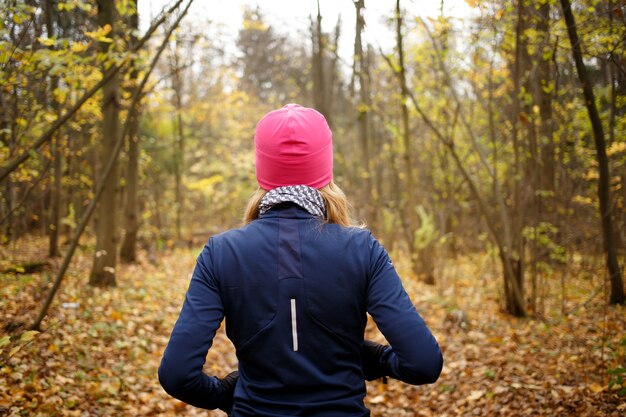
(293, 146)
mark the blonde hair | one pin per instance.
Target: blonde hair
(338, 209)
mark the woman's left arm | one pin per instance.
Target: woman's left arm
(180, 372)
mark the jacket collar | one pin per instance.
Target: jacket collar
(287, 210)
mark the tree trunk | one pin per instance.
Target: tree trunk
(319, 88)
(512, 253)
(363, 109)
(128, 251)
(333, 80)
(617, 285)
(76, 193)
(105, 259)
(542, 172)
(406, 204)
(55, 200)
(422, 259)
(179, 154)
(513, 276)
(545, 94)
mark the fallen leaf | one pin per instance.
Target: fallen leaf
(596, 388)
(377, 399)
(475, 395)
(28, 335)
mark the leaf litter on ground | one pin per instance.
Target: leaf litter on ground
(99, 350)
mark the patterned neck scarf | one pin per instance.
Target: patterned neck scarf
(306, 197)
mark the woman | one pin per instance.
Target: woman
(295, 284)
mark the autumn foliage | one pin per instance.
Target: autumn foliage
(486, 152)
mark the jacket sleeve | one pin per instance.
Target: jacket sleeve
(414, 356)
(180, 372)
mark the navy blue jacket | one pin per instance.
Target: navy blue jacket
(295, 293)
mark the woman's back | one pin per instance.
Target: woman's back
(294, 293)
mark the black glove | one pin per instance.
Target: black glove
(374, 357)
(228, 383)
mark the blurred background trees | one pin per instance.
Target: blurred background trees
(468, 136)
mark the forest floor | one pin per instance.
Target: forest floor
(99, 350)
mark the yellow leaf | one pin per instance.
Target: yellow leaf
(377, 399)
(596, 388)
(66, 6)
(3, 342)
(100, 34)
(79, 47)
(107, 29)
(615, 148)
(475, 395)
(46, 41)
(28, 336)
(205, 184)
(60, 95)
(15, 350)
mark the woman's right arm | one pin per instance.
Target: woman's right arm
(180, 372)
(414, 356)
